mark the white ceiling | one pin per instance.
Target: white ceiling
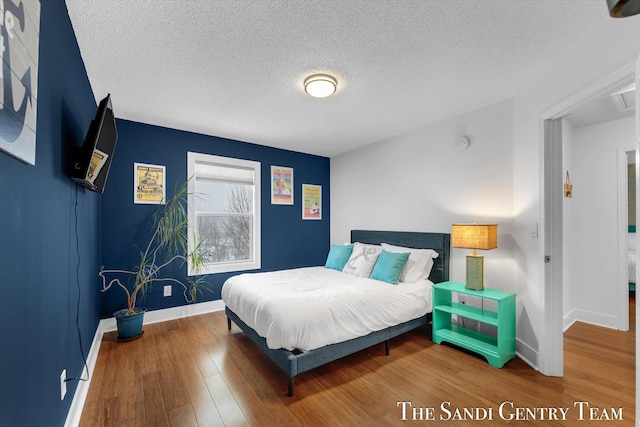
(234, 68)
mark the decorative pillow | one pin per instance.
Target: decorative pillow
(362, 259)
(338, 256)
(389, 266)
(419, 264)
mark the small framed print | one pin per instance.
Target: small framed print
(311, 201)
(281, 185)
(148, 184)
(20, 23)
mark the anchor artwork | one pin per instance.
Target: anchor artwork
(19, 35)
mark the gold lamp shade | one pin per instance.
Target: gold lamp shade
(475, 236)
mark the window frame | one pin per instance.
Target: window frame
(224, 267)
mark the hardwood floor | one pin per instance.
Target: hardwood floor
(193, 372)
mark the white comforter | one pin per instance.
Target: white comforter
(308, 308)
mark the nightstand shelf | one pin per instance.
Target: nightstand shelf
(497, 350)
(469, 312)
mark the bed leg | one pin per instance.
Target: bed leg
(386, 348)
(228, 323)
(290, 391)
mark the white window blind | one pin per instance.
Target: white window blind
(224, 212)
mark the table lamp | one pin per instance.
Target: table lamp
(474, 236)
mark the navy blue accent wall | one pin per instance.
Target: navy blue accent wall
(287, 240)
(52, 231)
(40, 273)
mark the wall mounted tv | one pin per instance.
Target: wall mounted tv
(91, 163)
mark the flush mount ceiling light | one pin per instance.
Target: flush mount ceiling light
(320, 85)
(623, 8)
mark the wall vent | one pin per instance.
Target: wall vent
(625, 98)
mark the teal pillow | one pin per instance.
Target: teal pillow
(338, 256)
(389, 266)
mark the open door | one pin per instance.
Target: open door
(551, 360)
(553, 364)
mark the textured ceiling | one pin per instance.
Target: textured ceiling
(234, 68)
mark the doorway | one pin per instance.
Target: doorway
(629, 268)
(627, 214)
(552, 210)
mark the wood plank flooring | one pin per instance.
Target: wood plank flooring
(193, 372)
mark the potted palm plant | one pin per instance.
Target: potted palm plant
(166, 248)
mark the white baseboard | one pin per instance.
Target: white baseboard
(109, 325)
(527, 353)
(568, 321)
(156, 316)
(80, 396)
(598, 319)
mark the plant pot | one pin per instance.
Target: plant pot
(129, 325)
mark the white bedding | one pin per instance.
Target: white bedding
(308, 308)
(632, 267)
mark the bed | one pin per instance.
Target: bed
(295, 357)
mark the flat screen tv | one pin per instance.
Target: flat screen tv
(91, 163)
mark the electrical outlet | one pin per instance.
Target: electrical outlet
(63, 384)
(167, 290)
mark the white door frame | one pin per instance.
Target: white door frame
(552, 245)
(623, 244)
(551, 354)
(636, 78)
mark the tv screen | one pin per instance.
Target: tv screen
(93, 160)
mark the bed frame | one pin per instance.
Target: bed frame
(296, 363)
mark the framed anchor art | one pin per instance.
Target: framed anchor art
(20, 27)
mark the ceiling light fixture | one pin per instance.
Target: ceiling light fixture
(623, 8)
(320, 85)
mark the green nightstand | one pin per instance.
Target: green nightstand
(498, 351)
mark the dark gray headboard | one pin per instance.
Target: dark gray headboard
(439, 242)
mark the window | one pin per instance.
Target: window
(224, 212)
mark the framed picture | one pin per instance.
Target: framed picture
(311, 201)
(281, 185)
(148, 184)
(20, 37)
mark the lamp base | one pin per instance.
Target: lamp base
(475, 272)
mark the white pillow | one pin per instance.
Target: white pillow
(632, 242)
(362, 259)
(419, 264)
